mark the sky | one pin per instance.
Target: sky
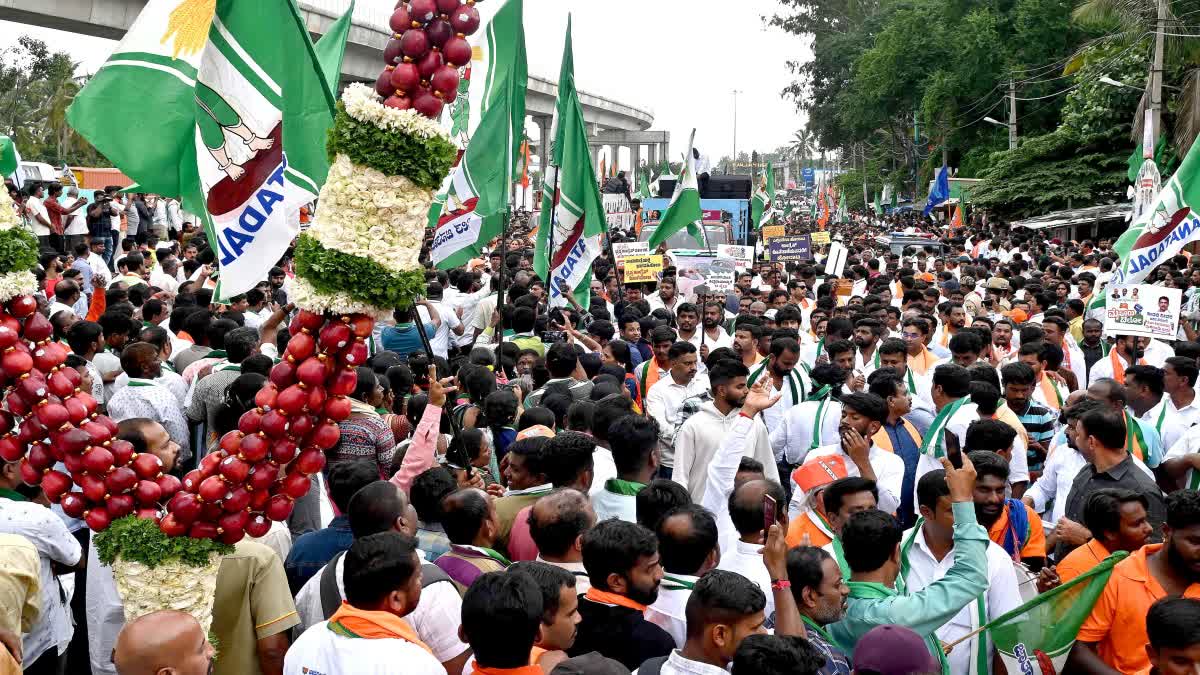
(679, 59)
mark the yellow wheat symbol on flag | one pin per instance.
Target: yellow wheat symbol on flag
(189, 24)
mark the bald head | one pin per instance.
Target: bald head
(1109, 391)
(557, 523)
(163, 643)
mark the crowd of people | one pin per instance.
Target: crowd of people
(785, 478)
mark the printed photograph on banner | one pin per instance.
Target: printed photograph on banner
(643, 268)
(743, 256)
(694, 270)
(617, 212)
(1142, 310)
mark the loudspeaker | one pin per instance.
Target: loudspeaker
(726, 187)
(666, 187)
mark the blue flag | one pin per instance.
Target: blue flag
(940, 191)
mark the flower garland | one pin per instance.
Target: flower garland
(330, 271)
(362, 104)
(368, 214)
(305, 295)
(423, 160)
(13, 284)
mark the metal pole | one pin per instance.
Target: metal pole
(1012, 115)
(1156, 70)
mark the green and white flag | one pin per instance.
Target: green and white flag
(843, 215)
(573, 220)
(473, 205)
(1037, 636)
(10, 161)
(684, 210)
(875, 205)
(762, 206)
(227, 109)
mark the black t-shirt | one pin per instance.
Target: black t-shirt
(620, 633)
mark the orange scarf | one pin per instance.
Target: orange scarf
(360, 623)
(1118, 368)
(532, 669)
(649, 377)
(923, 362)
(946, 335)
(596, 595)
(884, 440)
(1050, 393)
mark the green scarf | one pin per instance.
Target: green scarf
(13, 495)
(933, 444)
(818, 629)
(216, 354)
(671, 583)
(823, 395)
(869, 590)
(627, 488)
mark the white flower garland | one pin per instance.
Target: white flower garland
(306, 297)
(8, 212)
(13, 284)
(362, 103)
(364, 212)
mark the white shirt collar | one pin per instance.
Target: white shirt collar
(676, 662)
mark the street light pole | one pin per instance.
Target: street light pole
(1012, 114)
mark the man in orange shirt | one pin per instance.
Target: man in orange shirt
(1010, 523)
(1113, 639)
(1118, 521)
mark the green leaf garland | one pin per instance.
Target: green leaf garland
(331, 271)
(424, 161)
(139, 540)
(18, 250)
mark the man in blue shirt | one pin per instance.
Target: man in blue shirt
(313, 550)
(898, 435)
(403, 338)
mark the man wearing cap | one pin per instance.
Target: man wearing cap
(998, 289)
(972, 301)
(871, 542)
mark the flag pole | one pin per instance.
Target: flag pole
(501, 280)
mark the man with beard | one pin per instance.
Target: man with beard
(813, 423)
(862, 415)
(1011, 523)
(745, 341)
(665, 297)
(664, 403)
(1002, 346)
(820, 593)
(688, 318)
(623, 567)
(1113, 638)
(698, 438)
(1119, 358)
(898, 435)
(835, 329)
(687, 538)
(1100, 436)
(653, 370)
(780, 373)
(893, 353)
(714, 336)
(1144, 387)
(926, 554)
(867, 333)
(1118, 521)
(1094, 348)
(956, 320)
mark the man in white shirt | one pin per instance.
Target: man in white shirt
(338, 645)
(814, 422)
(1179, 382)
(74, 224)
(745, 510)
(162, 275)
(687, 544)
(862, 415)
(46, 644)
(557, 523)
(664, 401)
(635, 448)
(665, 297)
(867, 333)
(782, 372)
(926, 555)
(450, 321)
(144, 397)
(700, 435)
(1145, 392)
(1119, 358)
(38, 217)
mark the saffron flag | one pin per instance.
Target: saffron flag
(684, 210)
(957, 222)
(523, 163)
(572, 220)
(1037, 636)
(1170, 223)
(472, 206)
(229, 115)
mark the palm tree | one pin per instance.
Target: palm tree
(802, 145)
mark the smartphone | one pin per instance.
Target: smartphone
(769, 513)
(552, 336)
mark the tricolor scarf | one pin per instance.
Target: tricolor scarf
(604, 597)
(349, 621)
(1051, 393)
(649, 377)
(1118, 367)
(934, 444)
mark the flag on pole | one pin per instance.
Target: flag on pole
(573, 220)
(941, 190)
(888, 197)
(1037, 636)
(523, 163)
(230, 116)
(472, 207)
(684, 210)
(843, 214)
(957, 222)
(10, 162)
(876, 205)
(331, 49)
(644, 181)
(762, 206)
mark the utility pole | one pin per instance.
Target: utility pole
(1156, 72)
(1012, 114)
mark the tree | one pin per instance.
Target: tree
(39, 86)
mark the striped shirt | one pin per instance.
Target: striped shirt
(1040, 423)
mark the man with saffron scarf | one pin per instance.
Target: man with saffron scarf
(921, 361)
(368, 633)
(1119, 358)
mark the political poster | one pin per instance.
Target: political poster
(642, 268)
(790, 249)
(694, 270)
(772, 231)
(617, 212)
(819, 238)
(623, 250)
(743, 256)
(1142, 310)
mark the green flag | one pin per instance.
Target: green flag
(473, 204)
(684, 210)
(10, 159)
(1040, 633)
(331, 49)
(573, 220)
(227, 114)
(643, 192)
(876, 205)
(843, 215)
(762, 206)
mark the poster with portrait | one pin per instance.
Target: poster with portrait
(1142, 310)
